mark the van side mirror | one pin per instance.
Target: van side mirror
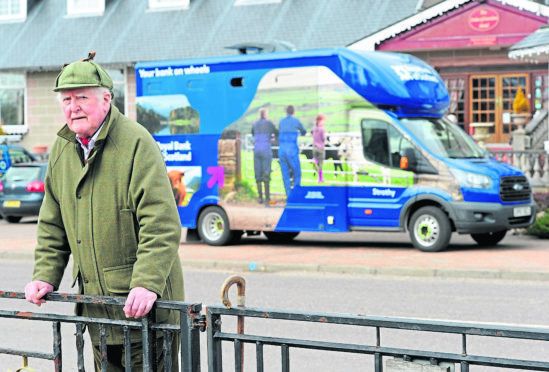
(404, 162)
(408, 160)
(412, 160)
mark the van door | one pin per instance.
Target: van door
(378, 191)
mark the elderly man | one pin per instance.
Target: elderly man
(109, 203)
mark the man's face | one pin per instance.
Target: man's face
(85, 109)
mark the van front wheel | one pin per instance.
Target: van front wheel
(213, 226)
(430, 229)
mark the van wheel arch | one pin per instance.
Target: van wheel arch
(413, 207)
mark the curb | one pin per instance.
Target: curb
(344, 269)
(369, 270)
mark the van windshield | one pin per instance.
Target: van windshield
(444, 138)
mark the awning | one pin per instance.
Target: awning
(533, 48)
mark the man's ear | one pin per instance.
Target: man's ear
(107, 98)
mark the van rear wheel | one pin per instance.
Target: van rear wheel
(213, 226)
(430, 229)
(489, 239)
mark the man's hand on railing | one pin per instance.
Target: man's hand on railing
(140, 301)
(35, 292)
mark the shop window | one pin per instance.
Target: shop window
(12, 103)
(456, 89)
(540, 89)
(118, 77)
(79, 8)
(168, 4)
(13, 10)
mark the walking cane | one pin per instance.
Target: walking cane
(240, 302)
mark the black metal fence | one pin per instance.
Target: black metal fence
(460, 358)
(193, 321)
(189, 330)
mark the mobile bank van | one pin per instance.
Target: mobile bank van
(392, 161)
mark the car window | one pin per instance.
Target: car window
(19, 156)
(15, 174)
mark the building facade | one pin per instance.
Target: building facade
(467, 41)
(468, 44)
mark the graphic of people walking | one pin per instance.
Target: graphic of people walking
(290, 127)
(263, 131)
(319, 137)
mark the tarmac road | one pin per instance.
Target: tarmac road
(516, 257)
(379, 256)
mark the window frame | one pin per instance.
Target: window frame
(121, 83)
(159, 5)
(17, 128)
(255, 2)
(73, 11)
(19, 17)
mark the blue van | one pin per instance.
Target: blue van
(388, 161)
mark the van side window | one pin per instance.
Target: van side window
(382, 143)
(375, 141)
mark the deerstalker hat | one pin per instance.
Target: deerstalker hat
(84, 73)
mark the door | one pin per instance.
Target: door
(492, 99)
(377, 195)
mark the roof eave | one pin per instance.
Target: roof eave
(370, 42)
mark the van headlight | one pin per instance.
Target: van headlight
(472, 180)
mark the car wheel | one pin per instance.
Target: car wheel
(213, 226)
(489, 239)
(280, 236)
(430, 229)
(13, 219)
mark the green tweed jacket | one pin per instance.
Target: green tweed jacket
(116, 215)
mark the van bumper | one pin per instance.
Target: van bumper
(475, 218)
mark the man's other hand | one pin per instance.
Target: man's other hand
(36, 290)
(140, 301)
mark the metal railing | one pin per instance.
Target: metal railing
(188, 329)
(462, 357)
(193, 322)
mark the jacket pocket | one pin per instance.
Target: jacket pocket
(128, 233)
(118, 278)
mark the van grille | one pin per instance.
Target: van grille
(516, 188)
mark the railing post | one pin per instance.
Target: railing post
(80, 347)
(57, 347)
(536, 177)
(215, 361)
(545, 178)
(103, 347)
(146, 341)
(190, 340)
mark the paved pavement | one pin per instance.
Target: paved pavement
(516, 257)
